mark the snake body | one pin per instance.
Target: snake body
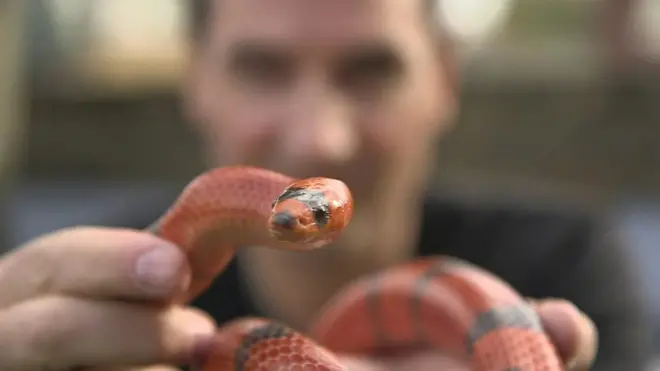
(431, 303)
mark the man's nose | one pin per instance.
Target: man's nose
(320, 129)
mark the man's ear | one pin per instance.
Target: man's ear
(450, 65)
(449, 70)
(191, 89)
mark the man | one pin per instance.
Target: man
(360, 90)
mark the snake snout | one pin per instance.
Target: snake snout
(283, 221)
(291, 227)
(285, 226)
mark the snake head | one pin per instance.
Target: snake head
(312, 212)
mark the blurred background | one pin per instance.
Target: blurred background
(90, 128)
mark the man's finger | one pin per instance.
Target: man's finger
(573, 333)
(94, 262)
(60, 333)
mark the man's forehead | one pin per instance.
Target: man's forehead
(314, 20)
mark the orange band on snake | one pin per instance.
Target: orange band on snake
(433, 303)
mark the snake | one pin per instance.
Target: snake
(437, 303)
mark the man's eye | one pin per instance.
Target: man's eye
(262, 71)
(370, 73)
(256, 67)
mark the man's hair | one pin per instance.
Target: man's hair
(200, 10)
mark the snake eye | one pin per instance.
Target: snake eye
(321, 215)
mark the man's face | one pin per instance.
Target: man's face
(352, 89)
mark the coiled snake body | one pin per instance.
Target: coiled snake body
(431, 303)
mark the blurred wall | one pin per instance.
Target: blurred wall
(12, 118)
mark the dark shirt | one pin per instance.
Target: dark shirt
(540, 252)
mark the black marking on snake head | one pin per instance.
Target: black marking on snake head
(289, 193)
(314, 199)
(521, 316)
(270, 330)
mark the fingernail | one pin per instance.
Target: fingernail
(159, 270)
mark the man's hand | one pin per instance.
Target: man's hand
(573, 334)
(94, 298)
